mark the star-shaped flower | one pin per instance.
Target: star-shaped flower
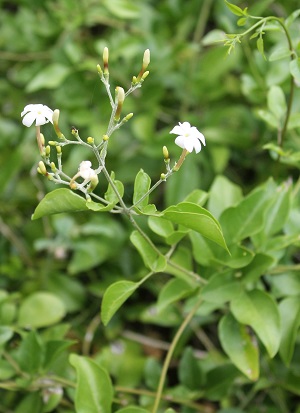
(38, 113)
(189, 137)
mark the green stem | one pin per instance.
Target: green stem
(170, 353)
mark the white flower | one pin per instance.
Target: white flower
(188, 137)
(39, 113)
(85, 170)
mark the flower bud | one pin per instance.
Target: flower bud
(146, 59)
(166, 153)
(52, 143)
(47, 150)
(90, 140)
(120, 96)
(58, 149)
(42, 168)
(99, 70)
(105, 137)
(105, 60)
(145, 75)
(53, 167)
(163, 177)
(42, 138)
(55, 119)
(93, 183)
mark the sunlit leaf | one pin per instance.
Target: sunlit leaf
(94, 391)
(59, 200)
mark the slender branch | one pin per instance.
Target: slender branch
(170, 353)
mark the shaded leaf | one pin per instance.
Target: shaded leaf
(239, 346)
(289, 310)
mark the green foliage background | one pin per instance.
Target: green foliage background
(54, 271)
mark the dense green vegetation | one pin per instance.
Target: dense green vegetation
(191, 305)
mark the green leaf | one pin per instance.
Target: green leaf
(289, 310)
(152, 258)
(6, 334)
(173, 291)
(260, 46)
(113, 298)
(189, 372)
(242, 21)
(50, 77)
(213, 37)
(259, 310)
(197, 218)
(223, 194)
(132, 409)
(40, 309)
(160, 226)
(292, 17)
(142, 185)
(295, 69)
(258, 266)
(123, 9)
(221, 287)
(239, 346)
(247, 218)
(268, 117)
(30, 353)
(110, 194)
(53, 348)
(60, 200)
(234, 9)
(277, 103)
(280, 52)
(94, 391)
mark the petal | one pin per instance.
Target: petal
(180, 141)
(40, 119)
(199, 135)
(197, 145)
(177, 130)
(189, 144)
(28, 119)
(185, 128)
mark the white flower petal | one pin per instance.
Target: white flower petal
(189, 144)
(197, 145)
(180, 141)
(176, 130)
(28, 119)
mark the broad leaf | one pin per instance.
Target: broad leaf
(295, 69)
(110, 194)
(239, 346)
(60, 200)
(221, 287)
(258, 310)
(115, 295)
(289, 309)
(234, 9)
(94, 391)
(195, 217)
(50, 77)
(277, 103)
(132, 409)
(247, 218)
(40, 309)
(223, 194)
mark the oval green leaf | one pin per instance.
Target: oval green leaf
(94, 391)
(115, 295)
(289, 309)
(141, 187)
(258, 310)
(195, 217)
(60, 200)
(239, 346)
(40, 309)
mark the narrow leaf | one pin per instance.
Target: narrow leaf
(151, 257)
(60, 200)
(141, 187)
(234, 9)
(94, 391)
(260, 46)
(239, 346)
(115, 295)
(258, 310)
(276, 102)
(110, 194)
